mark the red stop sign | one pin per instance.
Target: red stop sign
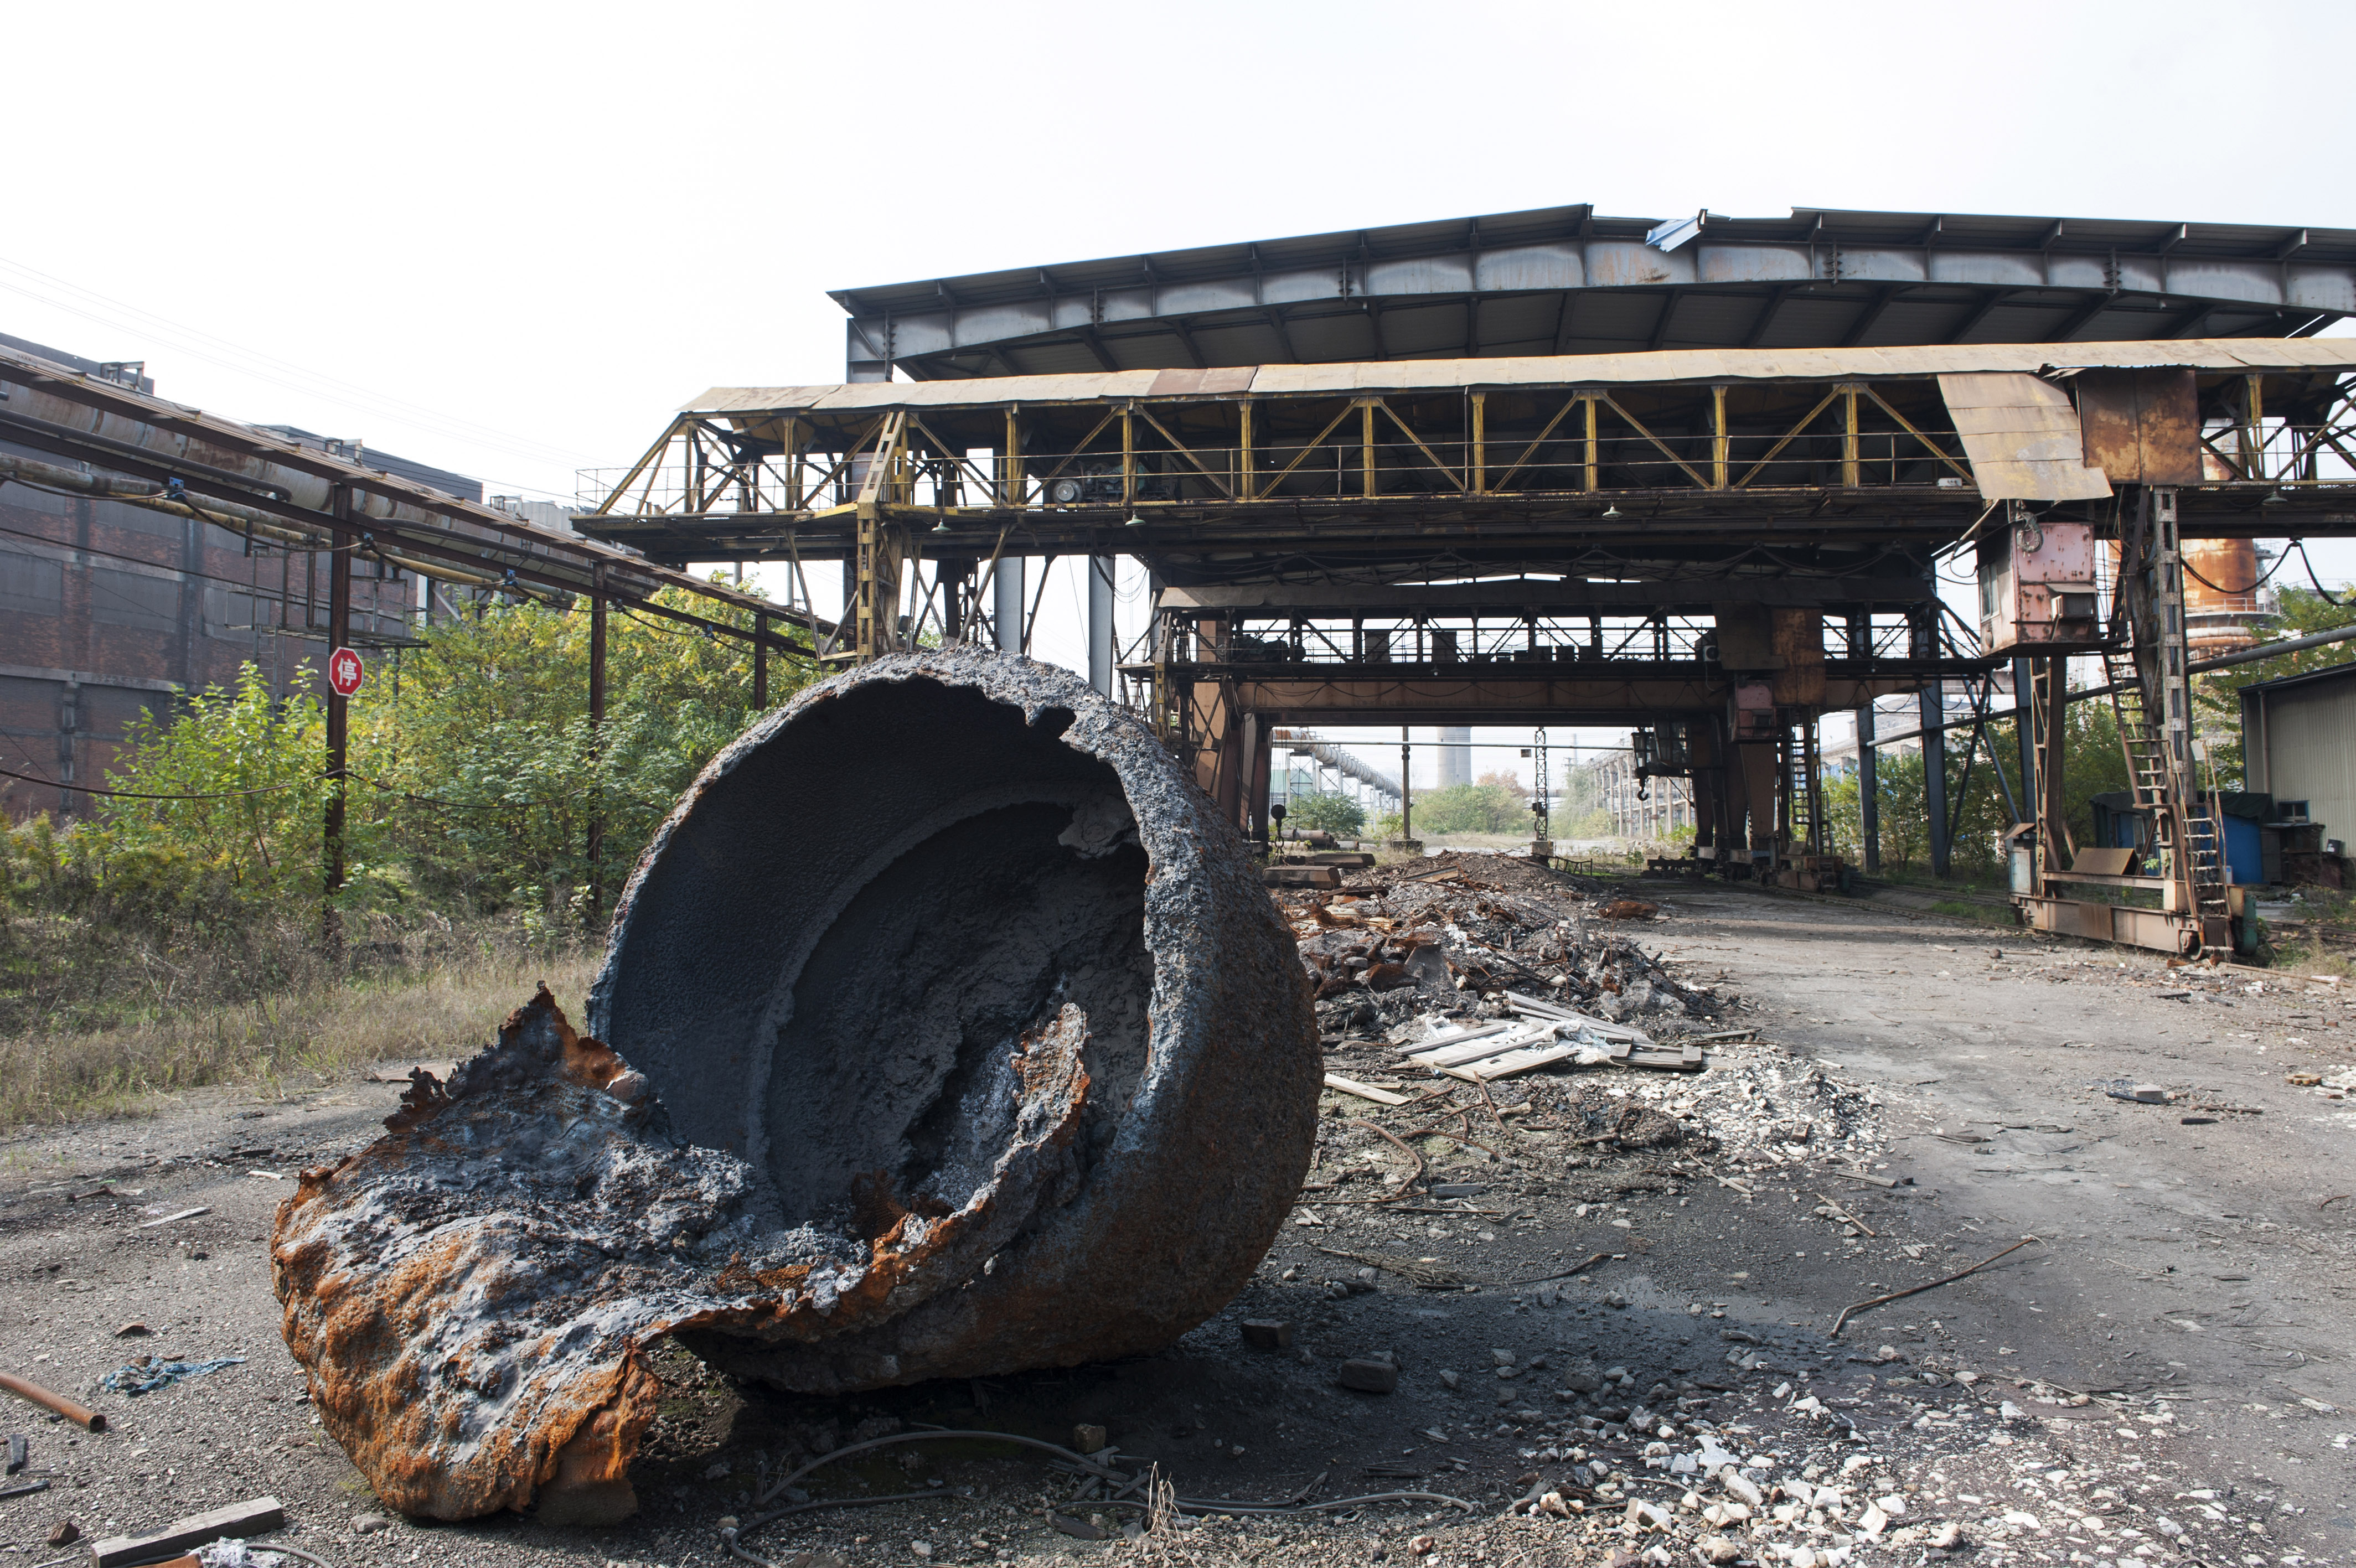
(345, 672)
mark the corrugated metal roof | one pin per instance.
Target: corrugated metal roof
(1535, 226)
(2329, 355)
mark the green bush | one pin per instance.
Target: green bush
(1325, 812)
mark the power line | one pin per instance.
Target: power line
(267, 367)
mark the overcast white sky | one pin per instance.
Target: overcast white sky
(509, 240)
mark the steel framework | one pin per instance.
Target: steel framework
(1738, 541)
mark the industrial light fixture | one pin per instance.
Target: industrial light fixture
(1134, 521)
(1610, 511)
(942, 527)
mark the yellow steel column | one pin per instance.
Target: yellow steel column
(1848, 438)
(2251, 437)
(866, 632)
(1366, 440)
(1128, 455)
(1245, 484)
(1479, 444)
(1594, 453)
(793, 465)
(1010, 463)
(1717, 437)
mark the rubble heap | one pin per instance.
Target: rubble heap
(1456, 941)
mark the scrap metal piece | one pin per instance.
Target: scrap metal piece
(962, 1041)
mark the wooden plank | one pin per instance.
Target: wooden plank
(1301, 876)
(1666, 1058)
(1512, 1061)
(1561, 1013)
(1364, 1091)
(255, 1517)
(1457, 1038)
(1457, 1055)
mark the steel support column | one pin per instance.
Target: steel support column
(2023, 679)
(1006, 604)
(1100, 623)
(1933, 703)
(1868, 791)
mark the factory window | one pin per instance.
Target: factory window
(30, 585)
(126, 599)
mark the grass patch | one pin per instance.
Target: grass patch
(446, 999)
(2317, 961)
(1975, 914)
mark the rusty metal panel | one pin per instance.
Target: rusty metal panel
(1799, 639)
(2021, 435)
(2142, 425)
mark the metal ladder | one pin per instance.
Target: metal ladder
(1803, 803)
(2189, 838)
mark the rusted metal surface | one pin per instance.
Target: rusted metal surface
(2142, 425)
(961, 1039)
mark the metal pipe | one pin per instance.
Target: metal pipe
(2264, 651)
(1334, 757)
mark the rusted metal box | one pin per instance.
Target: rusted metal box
(2037, 589)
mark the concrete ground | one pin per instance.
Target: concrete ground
(2162, 1374)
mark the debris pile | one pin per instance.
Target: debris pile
(1457, 939)
(1001, 1062)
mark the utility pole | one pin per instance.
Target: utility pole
(339, 629)
(596, 846)
(1406, 789)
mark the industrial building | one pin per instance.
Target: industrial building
(2298, 755)
(114, 609)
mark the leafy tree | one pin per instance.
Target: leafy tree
(1473, 809)
(1318, 810)
(250, 817)
(481, 761)
(475, 773)
(2216, 697)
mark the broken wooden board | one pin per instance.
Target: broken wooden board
(255, 1517)
(1457, 1037)
(1666, 1058)
(1538, 1008)
(1454, 1055)
(1364, 1091)
(1511, 1062)
(1301, 876)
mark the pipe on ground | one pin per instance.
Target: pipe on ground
(952, 1034)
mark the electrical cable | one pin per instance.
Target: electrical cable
(133, 795)
(2322, 591)
(2262, 578)
(266, 368)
